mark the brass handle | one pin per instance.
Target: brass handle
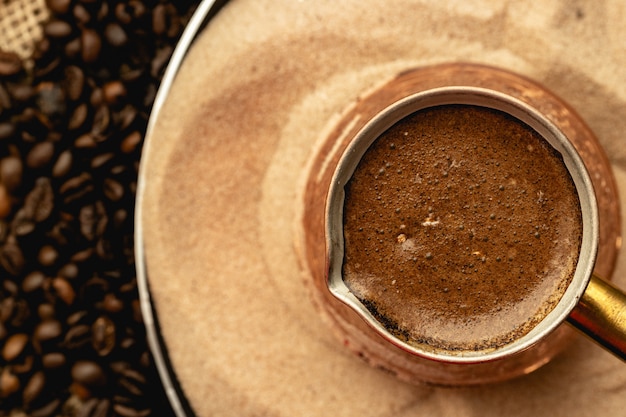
(601, 315)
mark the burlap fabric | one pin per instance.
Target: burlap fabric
(20, 25)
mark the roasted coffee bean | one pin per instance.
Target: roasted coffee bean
(101, 120)
(38, 206)
(113, 91)
(88, 373)
(9, 383)
(58, 6)
(158, 64)
(14, 346)
(77, 336)
(46, 311)
(11, 258)
(81, 14)
(63, 164)
(47, 255)
(115, 35)
(5, 98)
(7, 130)
(112, 304)
(33, 281)
(101, 409)
(21, 93)
(103, 335)
(5, 202)
(50, 99)
(53, 360)
(69, 271)
(100, 160)
(76, 188)
(93, 220)
(10, 63)
(74, 82)
(64, 290)
(78, 117)
(40, 155)
(11, 172)
(90, 45)
(131, 142)
(73, 48)
(10, 287)
(33, 387)
(85, 141)
(57, 28)
(46, 331)
(113, 190)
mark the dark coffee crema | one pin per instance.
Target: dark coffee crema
(462, 229)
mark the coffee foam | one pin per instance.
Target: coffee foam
(462, 229)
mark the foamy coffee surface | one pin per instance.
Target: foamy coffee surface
(462, 229)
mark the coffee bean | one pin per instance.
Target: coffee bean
(69, 271)
(73, 48)
(88, 373)
(14, 346)
(5, 202)
(85, 141)
(74, 82)
(53, 360)
(101, 120)
(21, 93)
(113, 91)
(7, 130)
(90, 45)
(50, 99)
(81, 14)
(76, 188)
(122, 13)
(5, 98)
(64, 290)
(103, 335)
(113, 190)
(40, 155)
(11, 258)
(38, 205)
(93, 220)
(77, 336)
(47, 255)
(101, 409)
(115, 35)
(46, 311)
(158, 64)
(33, 281)
(131, 142)
(159, 19)
(100, 160)
(9, 383)
(57, 28)
(46, 331)
(33, 387)
(11, 171)
(58, 6)
(78, 117)
(63, 164)
(10, 63)
(10, 287)
(112, 304)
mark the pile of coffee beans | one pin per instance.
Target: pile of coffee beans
(72, 340)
